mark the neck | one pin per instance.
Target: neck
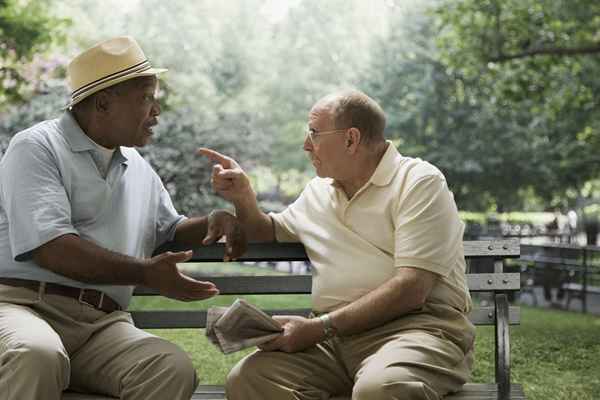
(362, 170)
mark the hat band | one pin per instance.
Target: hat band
(141, 67)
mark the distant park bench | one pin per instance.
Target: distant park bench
(498, 283)
(575, 268)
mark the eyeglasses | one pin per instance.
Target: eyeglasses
(314, 135)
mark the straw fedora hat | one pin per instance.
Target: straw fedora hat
(106, 64)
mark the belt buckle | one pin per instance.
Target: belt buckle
(82, 301)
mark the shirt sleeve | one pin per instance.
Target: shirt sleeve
(285, 223)
(428, 230)
(167, 217)
(35, 201)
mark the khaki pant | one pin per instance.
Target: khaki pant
(49, 343)
(393, 361)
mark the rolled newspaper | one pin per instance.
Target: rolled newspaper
(239, 326)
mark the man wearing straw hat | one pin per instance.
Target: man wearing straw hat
(81, 213)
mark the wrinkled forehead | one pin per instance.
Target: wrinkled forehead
(323, 110)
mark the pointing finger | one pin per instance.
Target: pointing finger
(214, 156)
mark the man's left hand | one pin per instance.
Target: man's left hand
(223, 223)
(299, 333)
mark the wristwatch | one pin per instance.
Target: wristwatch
(328, 328)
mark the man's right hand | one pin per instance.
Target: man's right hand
(161, 273)
(229, 179)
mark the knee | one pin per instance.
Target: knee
(388, 385)
(178, 365)
(241, 373)
(246, 374)
(40, 362)
(167, 361)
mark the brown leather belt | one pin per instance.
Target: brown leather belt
(91, 297)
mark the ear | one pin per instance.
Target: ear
(102, 102)
(353, 137)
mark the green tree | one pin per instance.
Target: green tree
(537, 58)
(501, 131)
(27, 31)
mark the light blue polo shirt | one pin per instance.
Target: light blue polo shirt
(51, 186)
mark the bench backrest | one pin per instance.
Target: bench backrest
(496, 250)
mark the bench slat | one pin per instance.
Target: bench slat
(184, 319)
(301, 284)
(493, 282)
(499, 248)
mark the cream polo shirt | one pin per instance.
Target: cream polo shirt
(404, 216)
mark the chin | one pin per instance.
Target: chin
(143, 142)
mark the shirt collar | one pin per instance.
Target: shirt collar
(387, 167)
(77, 139)
(385, 171)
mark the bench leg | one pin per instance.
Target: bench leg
(502, 347)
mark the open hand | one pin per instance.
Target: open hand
(161, 273)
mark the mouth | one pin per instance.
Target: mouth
(150, 127)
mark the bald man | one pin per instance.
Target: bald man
(389, 296)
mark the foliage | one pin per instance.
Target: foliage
(27, 31)
(500, 95)
(39, 108)
(186, 175)
(504, 133)
(531, 65)
(234, 83)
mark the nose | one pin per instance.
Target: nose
(155, 108)
(308, 145)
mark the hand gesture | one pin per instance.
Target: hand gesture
(299, 333)
(161, 273)
(228, 179)
(221, 222)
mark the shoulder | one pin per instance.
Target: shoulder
(42, 134)
(40, 138)
(413, 171)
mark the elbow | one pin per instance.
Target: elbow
(418, 300)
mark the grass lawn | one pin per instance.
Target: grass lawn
(555, 354)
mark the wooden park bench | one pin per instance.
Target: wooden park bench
(497, 284)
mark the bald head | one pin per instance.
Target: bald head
(355, 109)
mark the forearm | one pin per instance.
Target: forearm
(257, 225)
(395, 298)
(84, 261)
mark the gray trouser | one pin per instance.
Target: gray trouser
(49, 343)
(394, 361)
